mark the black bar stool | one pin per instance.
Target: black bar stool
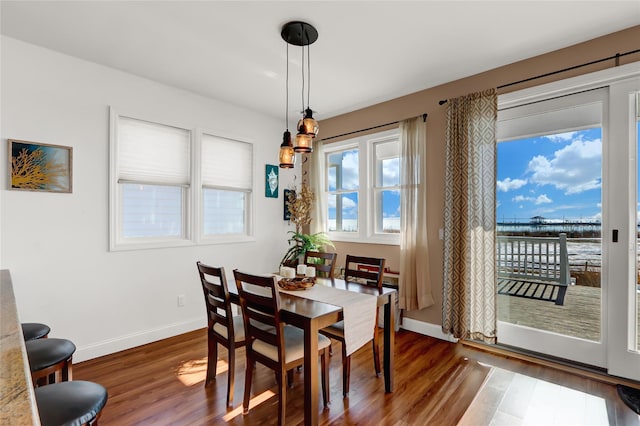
(34, 330)
(50, 360)
(70, 403)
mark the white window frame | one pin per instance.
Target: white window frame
(193, 230)
(367, 232)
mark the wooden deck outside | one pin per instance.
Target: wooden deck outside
(578, 317)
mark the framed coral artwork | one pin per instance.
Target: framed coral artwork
(35, 166)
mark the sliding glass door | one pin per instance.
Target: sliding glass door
(549, 223)
(567, 220)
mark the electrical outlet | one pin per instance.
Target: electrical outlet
(180, 300)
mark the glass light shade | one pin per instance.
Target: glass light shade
(303, 143)
(307, 124)
(287, 154)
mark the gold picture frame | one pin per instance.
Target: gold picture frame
(35, 166)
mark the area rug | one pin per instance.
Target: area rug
(630, 396)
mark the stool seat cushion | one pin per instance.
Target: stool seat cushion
(34, 330)
(70, 403)
(44, 353)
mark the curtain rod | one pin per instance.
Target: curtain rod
(617, 57)
(424, 119)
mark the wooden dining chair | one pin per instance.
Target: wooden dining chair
(223, 327)
(270, 342)
(326, 265)
(366, 271)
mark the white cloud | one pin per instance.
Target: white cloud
(543, 199)
(349, 162)
(520, 198)
(561, 137)
(347, 203)
(540, 199)
(573, 169)
(509, 184)
(391, 170)
(350, 168)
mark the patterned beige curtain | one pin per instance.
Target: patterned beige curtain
(469, 301)
(414, 286)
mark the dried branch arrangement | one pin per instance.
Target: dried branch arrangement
(300, 204)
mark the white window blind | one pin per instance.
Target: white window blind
(564, 114)
(152, 153)
(226, 163)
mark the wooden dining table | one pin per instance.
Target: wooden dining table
(311, 316)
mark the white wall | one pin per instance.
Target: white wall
(56, 245)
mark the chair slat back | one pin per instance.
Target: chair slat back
(327, 265)
(260, 304)
(216, 298)
(367, 270)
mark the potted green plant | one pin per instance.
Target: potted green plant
(301, 243)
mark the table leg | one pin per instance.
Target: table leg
(311, 374)
(389, 341)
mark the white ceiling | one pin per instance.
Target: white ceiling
(367, 51)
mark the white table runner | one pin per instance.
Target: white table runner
(358, 310)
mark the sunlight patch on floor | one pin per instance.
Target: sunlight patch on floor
(194, 371)
(513, 399)
(253, 402)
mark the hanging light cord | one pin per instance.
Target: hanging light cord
(308, 74)
(302, 62)
(286, 112)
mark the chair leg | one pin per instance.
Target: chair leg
(346, 371)
(376, 349)
(247, 385)
(282, 398)
(231, 373)
(212, 361)
(324, 365)
(290, 378)
(376, 356)
(67, 371)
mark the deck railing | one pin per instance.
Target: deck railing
(535, 259)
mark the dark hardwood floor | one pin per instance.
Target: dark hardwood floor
(162, 383)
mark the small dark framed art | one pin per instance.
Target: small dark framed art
(288, 194)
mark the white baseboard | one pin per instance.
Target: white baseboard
(428, 329)
(121, 343)
(118, 344)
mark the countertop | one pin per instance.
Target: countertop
(17, 401)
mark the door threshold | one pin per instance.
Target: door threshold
(583, 370)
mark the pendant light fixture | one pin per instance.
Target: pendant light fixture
(287, 154)
(303, 34)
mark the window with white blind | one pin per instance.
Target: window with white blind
(227, 181)
(155, 196)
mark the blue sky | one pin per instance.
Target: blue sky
(555, 176)
(558, 177)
